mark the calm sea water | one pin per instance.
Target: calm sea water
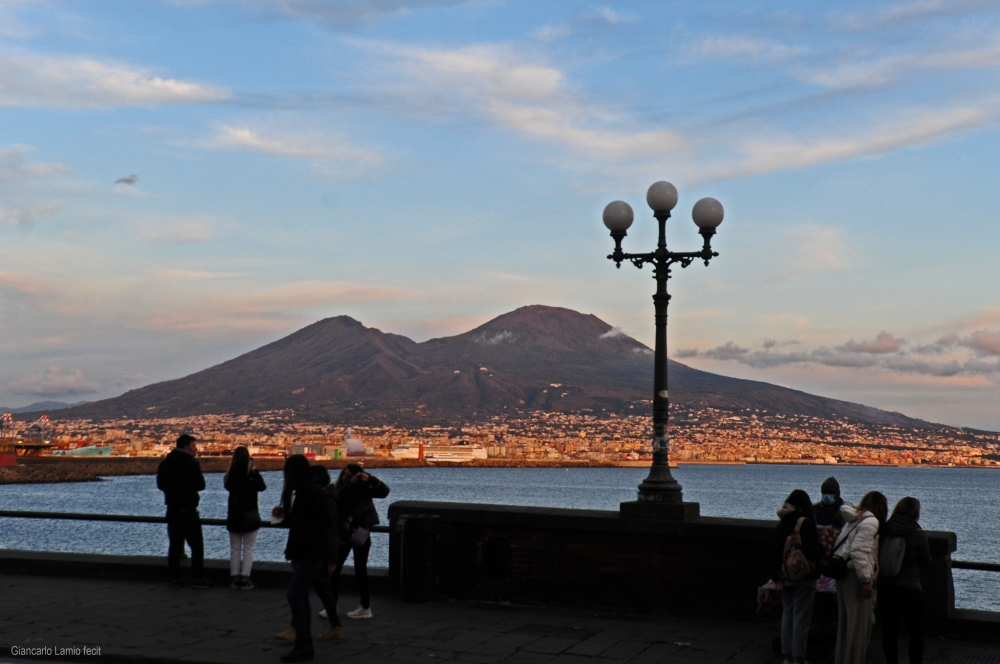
(962, 500)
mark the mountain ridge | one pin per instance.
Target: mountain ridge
(533, 358)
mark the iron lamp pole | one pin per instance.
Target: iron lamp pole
(660, 486)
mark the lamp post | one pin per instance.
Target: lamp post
(660, 495)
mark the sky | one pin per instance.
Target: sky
(183, 181)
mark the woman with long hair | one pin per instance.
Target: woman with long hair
(797, 530)
(304, 510)
(243, 483)
(900, 594)
(356, 490)
(856, 591)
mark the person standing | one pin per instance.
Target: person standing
(856, 591)
(827, 510)
(243, 483)
(797, 589)
(179, 478)
(901, 594)
(356, 490)
(304, 510)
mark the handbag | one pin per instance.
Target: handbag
(360, 536)
(833, 566)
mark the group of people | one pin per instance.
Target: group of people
(875, 558)
(326, 520)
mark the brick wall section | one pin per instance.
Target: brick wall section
(708, 565)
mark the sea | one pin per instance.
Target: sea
(962, 500)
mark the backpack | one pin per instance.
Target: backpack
(795, 566)
(890, 556)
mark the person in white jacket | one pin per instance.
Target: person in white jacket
(855, 592)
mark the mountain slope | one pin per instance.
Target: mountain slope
(536, 357)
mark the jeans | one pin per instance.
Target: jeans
(240, 565)
(321, 584)
(303, 572)
(893, 602)
(360, 571)
(796, 614)
(184, 525)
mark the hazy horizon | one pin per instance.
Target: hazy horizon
(182, 182)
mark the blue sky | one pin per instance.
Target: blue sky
(184, 181)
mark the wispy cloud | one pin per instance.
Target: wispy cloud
(175, 228)
(55, 382)
(295, 146)
(904, 13)
(812, 249)
(35, 80)
(346, 13)
(26, 215)
(14, 164)
(747, 48)
(529, 97)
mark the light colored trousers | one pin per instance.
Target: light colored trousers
(796, 614)
(854, 621)
(246, 542)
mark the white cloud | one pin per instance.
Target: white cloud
(907, 12)
(317, 148)
(881, 344)
(35, 80)
(531, 98)
(549, 33)
(765, 155)
(610, 16)
(14, 164)
(55, 382)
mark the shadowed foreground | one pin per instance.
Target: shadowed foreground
(142, 620)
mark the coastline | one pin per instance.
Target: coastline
(49, 470)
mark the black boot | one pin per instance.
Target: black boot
(302, 651)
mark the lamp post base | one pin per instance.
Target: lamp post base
(649, 509)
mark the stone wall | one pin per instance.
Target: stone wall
(706, 565)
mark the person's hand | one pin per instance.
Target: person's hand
(364, 476)
(277, 513)
(866, 590)
(332, 568)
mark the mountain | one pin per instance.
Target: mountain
(39, 406)
(535, 357)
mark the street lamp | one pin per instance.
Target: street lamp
(660, 495)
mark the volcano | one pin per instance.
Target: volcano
(533, 358)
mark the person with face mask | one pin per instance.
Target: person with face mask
(827, 510)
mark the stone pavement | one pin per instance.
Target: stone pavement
(149, 621)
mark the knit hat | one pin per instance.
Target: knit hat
(831, 486)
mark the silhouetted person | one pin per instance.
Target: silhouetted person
(244, 483)
(797, 585)
(355, 491)
(901, 593)
(827, 510)
(179, 478)
(304, 510)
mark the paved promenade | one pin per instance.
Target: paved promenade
(150, 621)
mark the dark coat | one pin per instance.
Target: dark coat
(811, 546)
(356, 503)
(829, 516)
(308, 525)
(335, 535)
(243, 490)
(179, 478)
(917, 556)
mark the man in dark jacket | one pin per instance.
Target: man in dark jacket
(901, 595)
(180, 479)
(827, 510)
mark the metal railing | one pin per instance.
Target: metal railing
(130, 518)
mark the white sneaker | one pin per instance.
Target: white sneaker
(324, 614)
(360, 613)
